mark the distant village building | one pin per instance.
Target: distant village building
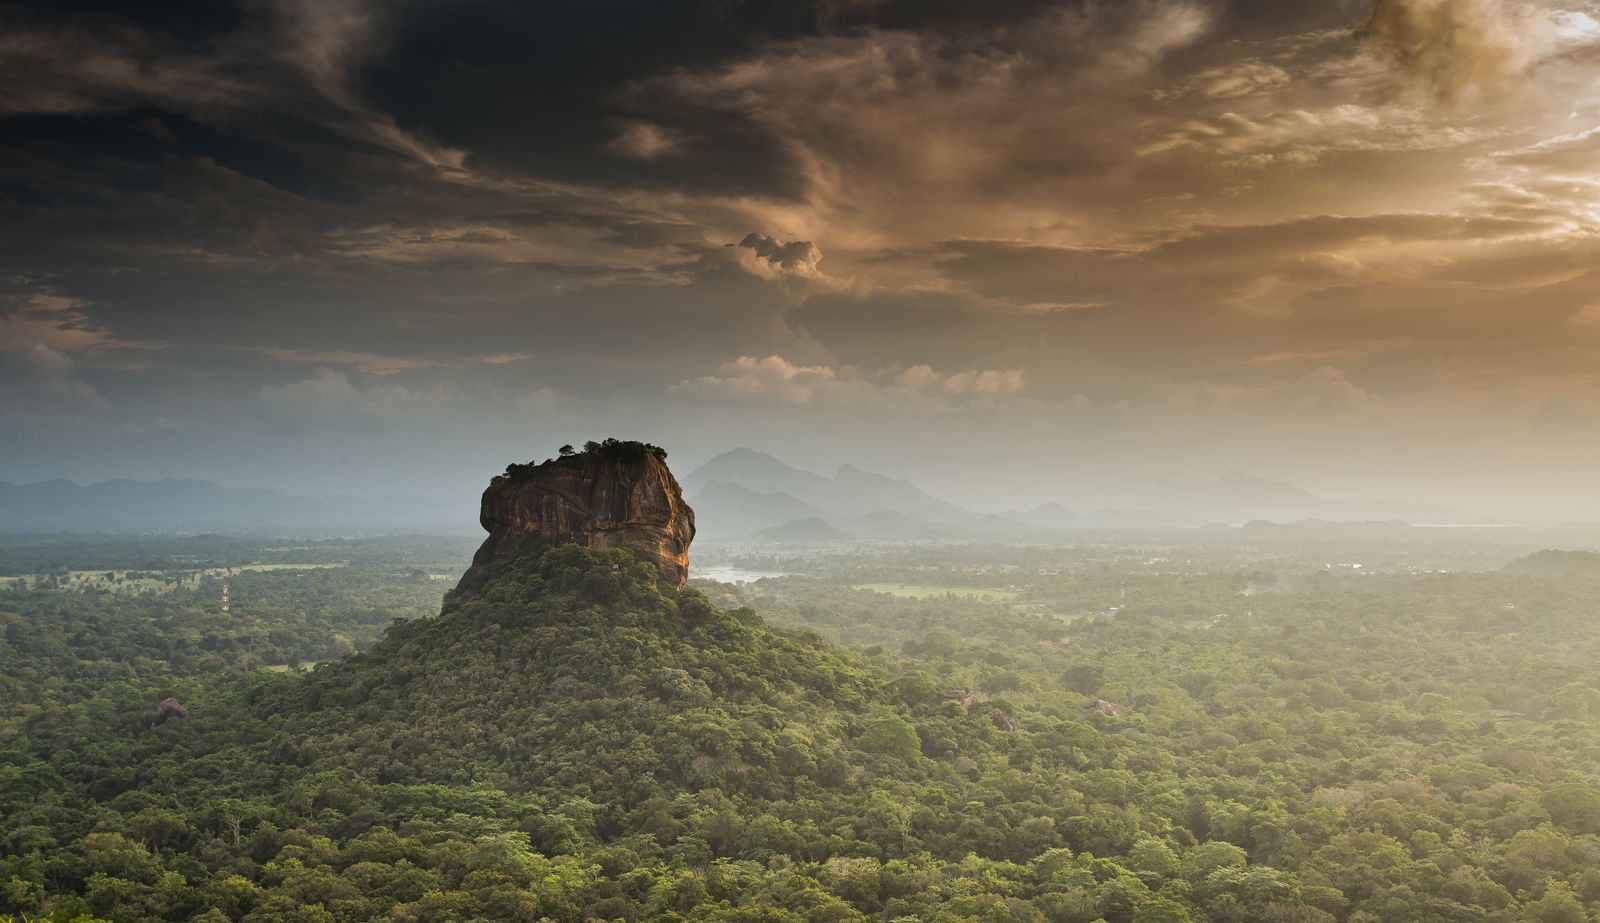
(224, 597)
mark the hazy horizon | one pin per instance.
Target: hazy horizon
(1040, 253)
(1218, 499)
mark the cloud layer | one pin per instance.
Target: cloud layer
(1141, 231)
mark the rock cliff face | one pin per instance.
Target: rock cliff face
(620, 496)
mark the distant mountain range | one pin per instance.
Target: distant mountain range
(742, 494)
(192, 505)
(745, 494)
(725, 508)
(850, 491)
(1238, 498)
(802, 530)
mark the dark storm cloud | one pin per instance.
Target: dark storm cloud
(189, 22)
(530, 89)
(540, 88)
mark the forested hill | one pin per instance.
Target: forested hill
(1555, 563)
(570, 674)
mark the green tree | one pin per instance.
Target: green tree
(1153, 857)
(1557, 905)
(1574, 806)
(1161, 910)
(1206, 858)
(891, 736)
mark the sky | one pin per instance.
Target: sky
(1017, 251)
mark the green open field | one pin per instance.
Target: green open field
(921, 591)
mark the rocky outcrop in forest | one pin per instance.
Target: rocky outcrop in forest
(611, 495)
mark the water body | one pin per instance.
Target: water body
(735, 574)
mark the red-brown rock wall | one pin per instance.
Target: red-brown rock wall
(599, 499)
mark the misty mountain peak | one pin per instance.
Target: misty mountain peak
(852, 473)
(789, 493)
(1239, 497)
(1235, 476)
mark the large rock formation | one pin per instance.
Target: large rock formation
(169, 708)
(613, 495)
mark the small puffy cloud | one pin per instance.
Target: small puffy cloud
(330, 397)
(769, 378)
(795, 257)
(923, 379)
(44, 382)
(776, 379)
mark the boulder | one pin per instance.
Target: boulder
(169, 708)
(1101, 707)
